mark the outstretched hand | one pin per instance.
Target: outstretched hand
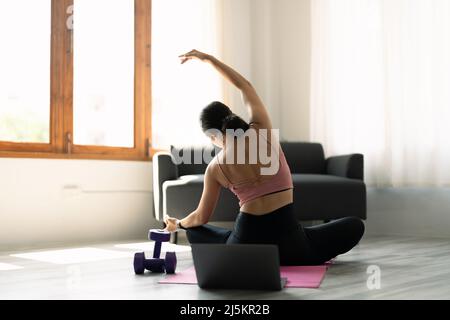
(171, 224)
(193, 54)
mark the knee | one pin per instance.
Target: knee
(194, 235)
(357, 227)
(190, 235)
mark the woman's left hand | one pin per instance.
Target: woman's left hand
(193, 54)
(171, 224)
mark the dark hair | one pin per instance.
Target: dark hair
(218, 116)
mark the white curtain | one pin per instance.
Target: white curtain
(380, 85)
(179, 92)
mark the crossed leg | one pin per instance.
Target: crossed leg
(207, 234)
(334, 238)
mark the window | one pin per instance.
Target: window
(104, 73)
(183, 90)
(75, 80)
(25, 71)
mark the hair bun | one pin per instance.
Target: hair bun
(227, 120)
(234, 122)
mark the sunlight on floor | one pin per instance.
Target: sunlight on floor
(72, 256)
(149, 246)
(7, 267)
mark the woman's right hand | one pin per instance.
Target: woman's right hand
(194, 54)
(171, 224)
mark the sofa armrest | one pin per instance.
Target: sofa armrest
(163, 169)
(348, 166)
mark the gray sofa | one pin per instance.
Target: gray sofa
(324, 188)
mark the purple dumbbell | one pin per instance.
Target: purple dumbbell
(156, 264)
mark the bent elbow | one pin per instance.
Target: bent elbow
(204, 220)
(201, 219)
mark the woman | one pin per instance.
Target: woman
(266, 210)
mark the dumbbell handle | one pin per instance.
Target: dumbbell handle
(158, 236)
(157, 250)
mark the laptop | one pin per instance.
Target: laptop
(237, 266)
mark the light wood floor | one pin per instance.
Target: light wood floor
(411, 268)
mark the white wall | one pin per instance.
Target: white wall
(292, 58)
(409, 211)
(268, 41)
(264, 67)
(236, 47)
(62, 201)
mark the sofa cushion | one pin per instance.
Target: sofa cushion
(335, 196)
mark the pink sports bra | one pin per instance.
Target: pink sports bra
(247, 191)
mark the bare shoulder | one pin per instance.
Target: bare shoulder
(264, 128)
(214, 172)
(260, 125)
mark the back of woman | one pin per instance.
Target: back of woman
(253, 166)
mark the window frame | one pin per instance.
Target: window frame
(61, 95)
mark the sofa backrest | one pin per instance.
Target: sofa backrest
(196, 163)
(304, 157)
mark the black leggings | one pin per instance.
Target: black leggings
(297, 245)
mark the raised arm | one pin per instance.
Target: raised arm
(256, 109)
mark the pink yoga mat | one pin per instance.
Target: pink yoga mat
(297, 276)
